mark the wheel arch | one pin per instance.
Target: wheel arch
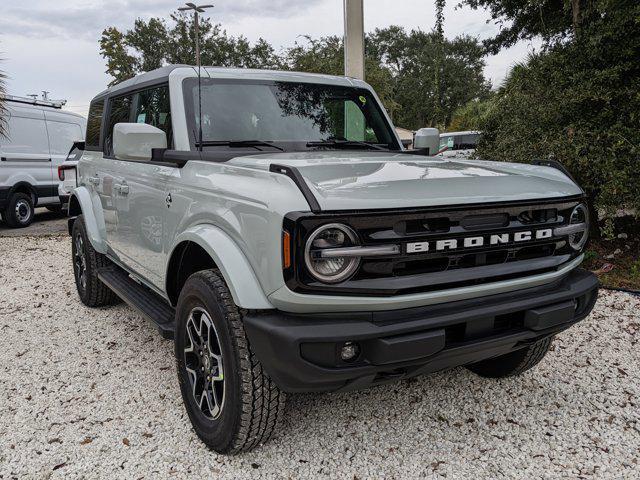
(206, 246)
(26, 188)
(80, 204)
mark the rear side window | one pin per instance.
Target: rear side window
(153, 108)
(62, 135)
(94, 124)
(119, 112)
(25, 136)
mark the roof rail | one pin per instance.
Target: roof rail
(35, 101)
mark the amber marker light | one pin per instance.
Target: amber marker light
(286, 249)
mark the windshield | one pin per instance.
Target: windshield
(289, 114)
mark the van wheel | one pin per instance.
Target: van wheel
(232, 403)
(19, 212)
(513, 363)
(86, 262)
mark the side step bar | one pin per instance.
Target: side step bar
(145, 301)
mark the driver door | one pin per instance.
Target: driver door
(139, 191)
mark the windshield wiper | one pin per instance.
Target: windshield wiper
(239, 144)
(343, 142)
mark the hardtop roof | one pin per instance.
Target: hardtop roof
(162, 74)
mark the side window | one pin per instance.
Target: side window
(62, 135)
(26, 136)
(119, 112)
(153, 108)
(94, 124)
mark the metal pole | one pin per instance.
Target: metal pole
(354, 38)
(197, 25)
(197, 9)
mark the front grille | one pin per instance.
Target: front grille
(416, 270)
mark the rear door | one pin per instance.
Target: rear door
(24, 153)
(92, 169)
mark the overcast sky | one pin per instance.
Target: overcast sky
(53, 45)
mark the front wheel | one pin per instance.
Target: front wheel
(514, 363)
(232, 403)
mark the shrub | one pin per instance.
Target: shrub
(577, 102)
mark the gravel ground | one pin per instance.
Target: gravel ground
(93, 393)
(45, 223)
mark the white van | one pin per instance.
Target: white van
(39, 137)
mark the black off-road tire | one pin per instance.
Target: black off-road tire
(513, 363)
(93, 293)
(252, 404)
(11, 218)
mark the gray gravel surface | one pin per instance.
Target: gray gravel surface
(93, 393)
(45, 224)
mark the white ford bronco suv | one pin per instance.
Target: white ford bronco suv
(272, 224)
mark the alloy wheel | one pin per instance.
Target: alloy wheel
(80, 262)
(203, 362)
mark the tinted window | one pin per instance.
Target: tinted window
(94, 123)
(62, 135)
(153, 108)
(119, 112)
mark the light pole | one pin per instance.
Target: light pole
(196, 10)
(354, 39)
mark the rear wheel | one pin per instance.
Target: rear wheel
(232, 404)
(513, 363)
(86, 262)
(19, 212)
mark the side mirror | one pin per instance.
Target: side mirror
(427, 139)
(134, 141)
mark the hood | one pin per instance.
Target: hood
(379, 180)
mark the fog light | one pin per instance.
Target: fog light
(349, 351)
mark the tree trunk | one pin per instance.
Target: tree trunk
(575, 15)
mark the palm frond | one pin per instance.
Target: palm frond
(3, 110)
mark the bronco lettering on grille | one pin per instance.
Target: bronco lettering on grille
(479, 241)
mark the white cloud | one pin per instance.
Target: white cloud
(49, 47)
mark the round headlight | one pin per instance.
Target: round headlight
(332, 269)
(579, 215)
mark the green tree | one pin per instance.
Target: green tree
(551, 20)
(473, 115)
(156, 42)
(578, 102)
(439, 66)
(413, 58)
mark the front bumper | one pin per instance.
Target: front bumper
(301, 352)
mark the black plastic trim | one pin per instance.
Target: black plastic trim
(148, 303)
(391, 340)
(369, 224)
(294, 174)
(554, 164)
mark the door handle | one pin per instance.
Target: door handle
(122, 189)
(93, 180)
